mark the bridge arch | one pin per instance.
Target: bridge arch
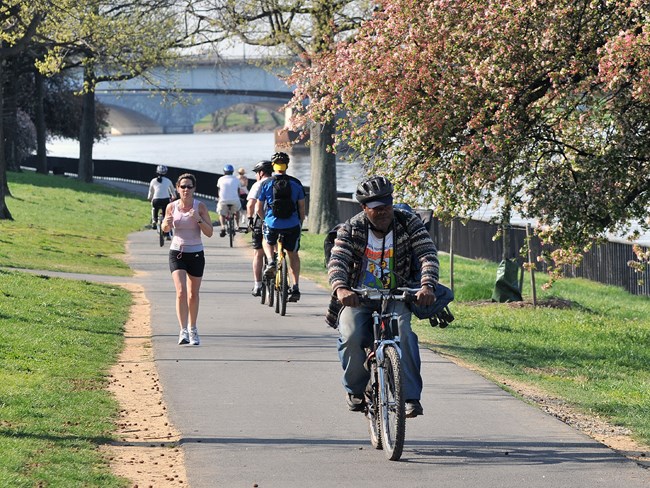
(191, 91)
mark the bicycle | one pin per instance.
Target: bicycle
(385, 402)
(231, 230)
(281, 278)
(162, 235)
(267, 286)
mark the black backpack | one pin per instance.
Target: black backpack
(283, 205)
(328, 243)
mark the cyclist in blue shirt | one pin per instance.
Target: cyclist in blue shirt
(282, 207)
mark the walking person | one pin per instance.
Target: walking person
(379, 248)
(161, 192)
(189, 218)
(228, 194)
(243, 193)
(263, 171)
(281, 203)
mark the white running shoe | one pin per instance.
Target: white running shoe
(194, 336)
(183, 337)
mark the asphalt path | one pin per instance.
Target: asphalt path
(260, 403)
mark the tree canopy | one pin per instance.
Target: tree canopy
(543, 106)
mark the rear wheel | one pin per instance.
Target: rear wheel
(161, 234)
(264, 282)
(231, 228)
(393, 417)
(284, 286)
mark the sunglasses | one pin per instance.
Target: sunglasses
(186, 187)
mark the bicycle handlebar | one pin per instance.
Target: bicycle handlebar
(379, 294)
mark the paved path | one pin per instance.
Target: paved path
(259, 403)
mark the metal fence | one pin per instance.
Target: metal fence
(605, 263)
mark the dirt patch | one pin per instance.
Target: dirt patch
(147, 451)
(615, 437)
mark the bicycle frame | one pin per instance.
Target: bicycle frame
(385, 408)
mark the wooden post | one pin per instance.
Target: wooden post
(451, 255)
(531, 265)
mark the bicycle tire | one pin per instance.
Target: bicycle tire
(231, 229)
(263, 289)
(161, 234)
(277, 287)
(372, 409)
(284, 286)
(268, 283)
(393, 415)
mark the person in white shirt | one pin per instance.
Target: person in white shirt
(161, 192)
(228, 194)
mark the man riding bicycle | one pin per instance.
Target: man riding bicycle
(379, 248)
(281, 203)
(161, 192)
(263, 171)
(228, 194)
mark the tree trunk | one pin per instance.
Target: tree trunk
(10, 118)
(323, 209)
(41, 130)
(4, 188)
(87, 132)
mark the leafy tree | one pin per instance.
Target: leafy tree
(18, 23)
(110, 41)
(539, 106)
(302, 29)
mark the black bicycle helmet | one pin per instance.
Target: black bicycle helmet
(280, 158)
(265, 165)
(373, 188)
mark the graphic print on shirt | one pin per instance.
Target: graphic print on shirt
(378, 263)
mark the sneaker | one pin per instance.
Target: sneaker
(269, 271)
(413, 408)
(222, 233)
(294, 294)
(183, 337)
(194, 337)
(257, 291)
(154, 226)
(356, 402)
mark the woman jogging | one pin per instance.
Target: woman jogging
(189, 218)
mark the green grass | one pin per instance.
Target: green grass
(595, 354)
(61, 224)
(60, 337)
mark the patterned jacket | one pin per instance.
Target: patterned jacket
(412, 244)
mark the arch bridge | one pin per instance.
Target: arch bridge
(179, 97)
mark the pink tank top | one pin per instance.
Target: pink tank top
(187, 234)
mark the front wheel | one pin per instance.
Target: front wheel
(391, 404)
(372, 412)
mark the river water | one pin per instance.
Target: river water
(205, 152)
(211, 151)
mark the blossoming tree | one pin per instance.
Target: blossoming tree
(540, 106)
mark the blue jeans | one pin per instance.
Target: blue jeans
(355, 328)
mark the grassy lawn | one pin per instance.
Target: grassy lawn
(595, 353)
(59, 337)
